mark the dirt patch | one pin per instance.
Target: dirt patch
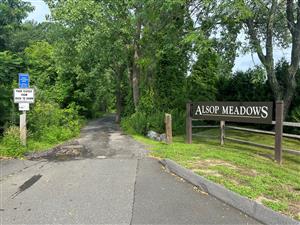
(207, 172)
(67, 151)
(212, 162)
(260, 199)
(206, 167)
(294, 209)
(249, 173)
(5, 158)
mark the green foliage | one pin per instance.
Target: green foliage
(11, 16)
(296, 114)
(277, 206)
(40, 58)
(202, 83)
(11, 144)
(31, 32)
(141, 123)
(178, 121)
(244, 86)
(10, 65)
(51, 124)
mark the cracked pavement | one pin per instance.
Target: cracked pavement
(119, 184)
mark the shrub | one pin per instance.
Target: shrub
(11, 143)
(141, 123)
(52, 124)
(137, 123)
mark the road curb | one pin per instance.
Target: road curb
(249, 207)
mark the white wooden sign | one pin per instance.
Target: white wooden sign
(24, 95)
(23, 106)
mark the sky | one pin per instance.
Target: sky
(243, 62)
(40, 11)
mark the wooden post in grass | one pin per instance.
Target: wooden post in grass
(23, 128)
(222, 132)
(279, 131)
(188, 124)
(168, 123)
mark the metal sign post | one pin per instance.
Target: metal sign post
(23, 96)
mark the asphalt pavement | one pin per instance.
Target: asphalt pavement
(118, 184)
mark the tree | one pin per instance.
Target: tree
(11, 64)
(96, 37)
(265, 28)
(11, 16)
(266, 23)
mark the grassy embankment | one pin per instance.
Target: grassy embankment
(11, 147)
(249, 171)
(18, 151)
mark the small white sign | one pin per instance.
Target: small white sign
(23, 106)
(24, 95)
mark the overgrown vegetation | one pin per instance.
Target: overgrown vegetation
(247, 170)
(48, 126)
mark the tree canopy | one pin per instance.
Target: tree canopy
(143, 58)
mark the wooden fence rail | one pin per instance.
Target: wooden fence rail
(210, 111)
(290, 151)
(288, 124)
(262, 131)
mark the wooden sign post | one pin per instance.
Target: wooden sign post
(23, 128)
(168, 123)
(188, 124)
(222, 132)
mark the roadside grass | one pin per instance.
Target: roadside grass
(247, 170)
(11, 147)
(9, 152)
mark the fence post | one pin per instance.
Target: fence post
(188, 124)
(168, 123)
(222, 132)
(279, 131)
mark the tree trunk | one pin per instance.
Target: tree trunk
(290, 90)
(118, 98)
(273, 82)
(136, 58)
(294, 27)
(135, 78)
(119, 73)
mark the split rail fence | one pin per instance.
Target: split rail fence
(279, 124)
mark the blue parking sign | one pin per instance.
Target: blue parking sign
(23, 80)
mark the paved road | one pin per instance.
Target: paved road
(124, 187)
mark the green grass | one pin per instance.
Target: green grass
(10, 146)
(249, 171)
(32, 146)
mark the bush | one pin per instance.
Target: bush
(137, 123)
(11, 143)
(141, 123)
(51, 124)
(178, 121)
